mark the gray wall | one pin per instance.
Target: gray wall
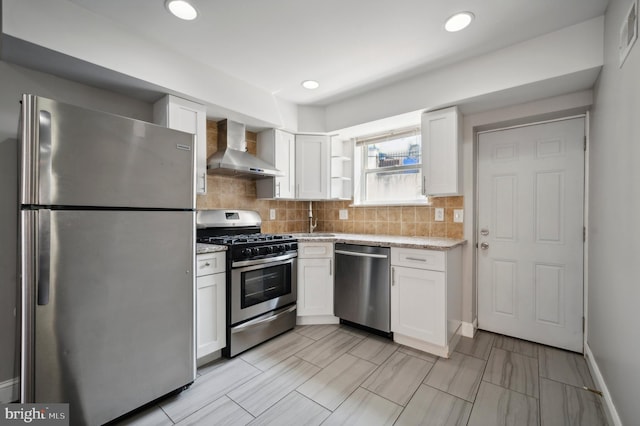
(14, 81)
(614, 228)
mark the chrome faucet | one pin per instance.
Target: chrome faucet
(312, 225)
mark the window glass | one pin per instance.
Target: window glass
(391, 169)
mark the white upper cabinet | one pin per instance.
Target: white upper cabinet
(181, 114)
(313, 169)
(278, 148)
(442, 152)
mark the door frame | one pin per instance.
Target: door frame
(585, 253)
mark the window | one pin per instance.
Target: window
(388, 168)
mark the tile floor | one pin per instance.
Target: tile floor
(338, 375)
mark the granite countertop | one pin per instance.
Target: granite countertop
(209, 248)
(382, 240)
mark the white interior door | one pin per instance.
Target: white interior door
(530, 224)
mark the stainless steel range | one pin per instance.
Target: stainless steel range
(261, 276)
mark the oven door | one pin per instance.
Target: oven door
(261, 286)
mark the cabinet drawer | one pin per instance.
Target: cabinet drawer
(315, 250)
(416, 258)
(210, 263)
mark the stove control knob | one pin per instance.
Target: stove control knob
(255, 251)
(246, 252)
(279, 248)
(269, 249)
(287, 247)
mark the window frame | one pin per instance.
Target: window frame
(362, 171)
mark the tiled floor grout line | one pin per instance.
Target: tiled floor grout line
(404, 407)
(472, 356)
(414, 392)
(320, 367)
(165, 413)
(539, 387)
(361, 338)
(242, 408)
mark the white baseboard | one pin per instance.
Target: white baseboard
(469, 328)
(10, 390)
(317, 319)
(441, 351)
(208, 358)
(610, 409)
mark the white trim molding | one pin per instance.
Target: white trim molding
(9, 390)
(610, 408)
(317, 319)
(468, 329)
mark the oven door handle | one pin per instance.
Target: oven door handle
(263, 320)
(263, 261)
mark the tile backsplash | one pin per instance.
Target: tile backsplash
(406, 221)
(227, 192)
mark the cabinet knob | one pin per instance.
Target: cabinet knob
(207, 264)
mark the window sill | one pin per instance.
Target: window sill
(394, 204)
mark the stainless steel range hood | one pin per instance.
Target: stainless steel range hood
(232, 157)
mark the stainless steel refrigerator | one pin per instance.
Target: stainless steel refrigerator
(106, 252)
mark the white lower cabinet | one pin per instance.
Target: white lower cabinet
(211, 304)
(426, 298)
(417, 304)
(315, 283)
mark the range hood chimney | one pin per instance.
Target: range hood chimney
(232, 157)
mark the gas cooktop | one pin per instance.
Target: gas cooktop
(229, 240)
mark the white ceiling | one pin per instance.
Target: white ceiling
(348, 46)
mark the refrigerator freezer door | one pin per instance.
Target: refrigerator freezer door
(77, 157)
(117, 328)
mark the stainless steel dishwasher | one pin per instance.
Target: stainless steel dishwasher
(361, 294)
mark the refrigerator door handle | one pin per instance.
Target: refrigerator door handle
(36, 151)
(29, 278)
(45, 176)
(44, 254)
(29, 150)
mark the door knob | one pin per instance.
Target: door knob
(484, 246)
(484, 232)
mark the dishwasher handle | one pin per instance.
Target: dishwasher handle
(358, 254)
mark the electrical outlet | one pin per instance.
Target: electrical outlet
(458, 215)
(272, 214)
(343, 214)
(439, 214)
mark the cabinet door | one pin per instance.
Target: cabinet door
(418, 304)
(211, 314)
(278, 148)
(187, 116)
(441, 168)
(312, 167)
(315, 287)
(285, 162)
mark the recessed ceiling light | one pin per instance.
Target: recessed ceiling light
(458, 22)
(310, 84)
(182, 9)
